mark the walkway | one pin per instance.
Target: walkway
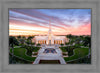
(49, 56)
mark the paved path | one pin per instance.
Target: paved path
(49, 56)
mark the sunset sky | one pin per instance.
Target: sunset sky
(36, 21)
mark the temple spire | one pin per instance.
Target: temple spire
(49, 25)
(49, 33)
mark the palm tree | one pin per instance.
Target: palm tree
(87, 41)
(27, 42)
(24, 37)
(22, 41)
(19, 37)
(30, 39)
(12, 41)
(69, 36)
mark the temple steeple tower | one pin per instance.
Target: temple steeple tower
(49, 33)
(49, 27)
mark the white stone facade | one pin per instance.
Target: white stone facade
(54, 39)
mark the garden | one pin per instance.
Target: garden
(22, 53)
(21, 49)
(78, 49)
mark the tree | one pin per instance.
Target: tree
(22, 41)
(62, 44)
(69, 36)
(30, 39)
(78, 40)
(33, 43)
(29, 50)
(12, 41)
(27, 42)
(67, 43)
(81, 37)
(87, 41)
(24, 37)
(38, 44)
(18, 37)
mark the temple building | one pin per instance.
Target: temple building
(50, 38)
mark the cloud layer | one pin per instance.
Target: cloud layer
(36, 21)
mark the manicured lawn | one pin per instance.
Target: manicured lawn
(80, 52)
(21, 52)
(84, 60)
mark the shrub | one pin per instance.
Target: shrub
(38, 44)
(62, 44)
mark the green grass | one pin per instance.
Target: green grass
(83, 60)
(20, 52)
(80, 52)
